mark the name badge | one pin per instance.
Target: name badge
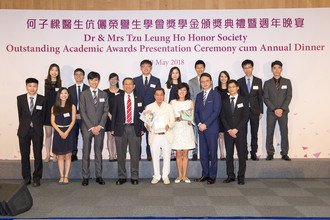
(152, 85)
(284, 87)
(102, 100)
(39, 107)
(139, 104)
(255, 87)
(240, 105)
(65, 115)
(56, 89)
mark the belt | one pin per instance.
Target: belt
(63, 126)
(161, 133)
(132, 124)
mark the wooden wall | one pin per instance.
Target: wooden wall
(159, 4)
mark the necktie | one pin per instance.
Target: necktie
(129, 110)
(248, 85)
(232, 104)
(78, 97)
(31, 105)
(146, 82)
(277, 84)
(94, 97)
(204, 98)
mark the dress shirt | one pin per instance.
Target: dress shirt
(29, 100)
(235, 100)
(144, 78)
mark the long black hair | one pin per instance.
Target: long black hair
(57, 105)
(169, 81)
(113, 75)
(48, 80)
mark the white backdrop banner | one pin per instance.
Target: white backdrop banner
(116, 41)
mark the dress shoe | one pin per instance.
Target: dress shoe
(166, 181)
(154, 180)
(202, 179)
(254, 157)
(100, 180)
(269, 157)
(134, 182)
(36, 183)
(286, 157)
(222, 158)
(173, 159)
(85, 182)
(112, 160)
(120, 181)
(194, 158)
(74, 158)
(240, 181)
(149, 158)
(211, 181)
(27, 181)
(228, 180)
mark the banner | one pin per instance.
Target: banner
(117, 41)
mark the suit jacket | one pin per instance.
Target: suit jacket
(73, 94)
(194, 87)
(208, 114)
(275, 99)
(148, 93)
(25, 118)
(254, 98)
(239, 118)
(93, 115)
(119, 117)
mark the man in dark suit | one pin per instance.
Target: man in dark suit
(250, 88)
(207, 110)
(94, 109)
(234, 116)
(75, 91)
(31, 116)
(277, 97)
(145, 86)
(127, 128)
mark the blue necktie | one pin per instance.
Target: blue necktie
(78, 97)
(248, 85)
(204, 98)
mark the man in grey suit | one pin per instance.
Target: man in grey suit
(94, 112)
(277, 97)
(195, 88)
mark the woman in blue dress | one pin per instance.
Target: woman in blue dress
(63, 118)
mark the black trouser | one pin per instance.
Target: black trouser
(24, 145)
(254, 125)
(76, 128)
(240, 143)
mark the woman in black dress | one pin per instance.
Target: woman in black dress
(63, 118)
(223, 79)
(52, 85)
(112, 91)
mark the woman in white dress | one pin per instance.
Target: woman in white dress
(184, 139)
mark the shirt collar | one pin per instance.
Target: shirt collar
(235, 96)
(251, 78)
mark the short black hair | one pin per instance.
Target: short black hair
(246, 62)
(31, 80)
(206, 75)
(159, 89)
(180, 86)
(79, 70)
(93, 75)
(128, 78)
(146, 62)
(233, 81)
(199, 62)
(277, 62)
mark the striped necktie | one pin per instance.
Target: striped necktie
(129, 110)
(94, 97)
(204, 98)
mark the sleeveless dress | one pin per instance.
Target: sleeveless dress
(184, 138)
(63, 146)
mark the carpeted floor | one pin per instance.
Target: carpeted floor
(257, 198)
